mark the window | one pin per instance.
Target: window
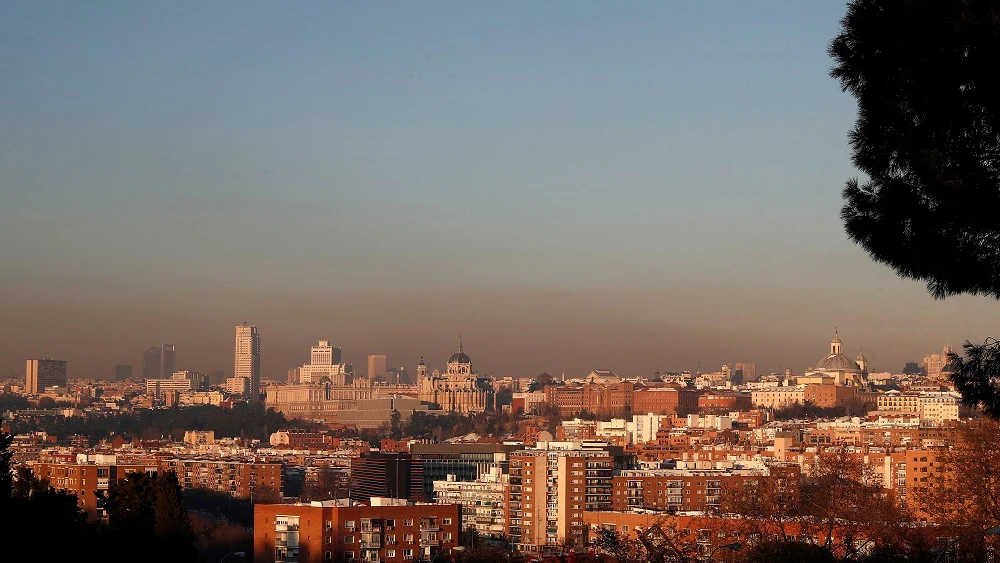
(328, 555)
(329, 525)
(329, 539)
(349, 525)
(446, 536)
(390, 553)
(348, 539)
(407, 554)
(348, 555)
(390, 523)
(446, 522)
(408, 522)
(408, 538)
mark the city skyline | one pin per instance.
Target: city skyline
(438, 361)
(624, 187)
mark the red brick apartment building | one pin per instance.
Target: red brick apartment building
(665, 400)
(827, 396)
(387, 531)
(86, 476)
(617, 397)
(686, 490)
(727, 402)
(241, 479)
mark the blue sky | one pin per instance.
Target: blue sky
(626, 176)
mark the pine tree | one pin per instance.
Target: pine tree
(927, 137)
(172, 528)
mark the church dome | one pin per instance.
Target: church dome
(459, 358)
(836, 362)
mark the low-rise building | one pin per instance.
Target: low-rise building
(86, 475)
(779, 397)
(385, 530)
(239, 479)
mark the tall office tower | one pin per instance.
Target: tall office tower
(749, 370)
(293, 376)
(935, 363)
(246, 359)
(376, 366)
(168, 357)
(151, 363)
(122, 372)
(323, 354)
(39, 374)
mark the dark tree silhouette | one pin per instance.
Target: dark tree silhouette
(6, 472)
(395, 425)
(977, 375)
(172, 528)
(928, 138)
(148, 514)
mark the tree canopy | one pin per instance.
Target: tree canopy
(927, 137)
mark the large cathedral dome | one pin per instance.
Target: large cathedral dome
(459, 358)
(836, 360)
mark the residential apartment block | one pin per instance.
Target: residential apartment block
(386, 531)
(238, 479)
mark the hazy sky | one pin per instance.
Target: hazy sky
(570, 185)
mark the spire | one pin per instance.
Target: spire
(835, 344)
(460, 342)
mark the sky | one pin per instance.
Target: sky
(569, 185)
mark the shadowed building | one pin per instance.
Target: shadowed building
(123, 372)
(387, 475)
(151, 363)
(39, 374)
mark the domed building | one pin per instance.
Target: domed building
(459, 388)
(843, 370)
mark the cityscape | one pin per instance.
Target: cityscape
(520, 282)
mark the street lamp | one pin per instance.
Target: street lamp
(987, 532)
(240, 554)
(735, 546)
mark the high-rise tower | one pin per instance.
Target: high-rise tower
(151, 363)
(246, 358)
(324, 354)
(168, 360)
(39, 374)
(376, 366)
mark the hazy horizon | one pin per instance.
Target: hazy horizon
(570, 187)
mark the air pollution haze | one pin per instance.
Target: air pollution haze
(624, 187)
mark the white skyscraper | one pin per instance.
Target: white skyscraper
(324, 354)
(246, 360)
(324, 361)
